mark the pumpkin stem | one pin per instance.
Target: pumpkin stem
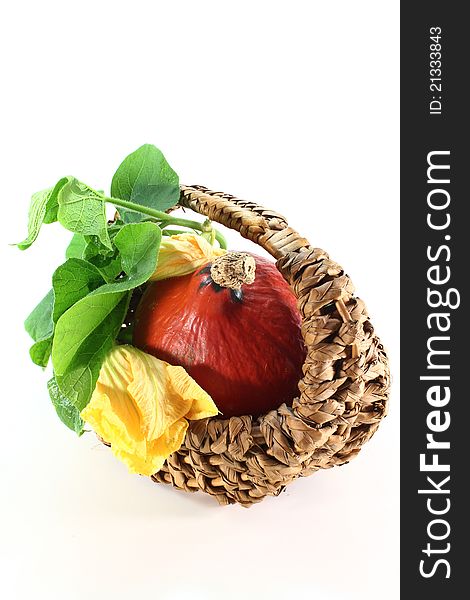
(233, 269)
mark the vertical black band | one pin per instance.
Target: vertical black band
(435, 328)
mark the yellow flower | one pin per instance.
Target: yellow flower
(182, 254)
(140, 406)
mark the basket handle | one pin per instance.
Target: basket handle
(265, 227)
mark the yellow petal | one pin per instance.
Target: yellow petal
(201, 405)
(182, 254)
(140, 406)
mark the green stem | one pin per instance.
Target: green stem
(163, 216)
(168, 232)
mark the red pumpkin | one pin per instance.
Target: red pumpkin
(244, 347)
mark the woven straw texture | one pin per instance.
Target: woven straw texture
(343, 394)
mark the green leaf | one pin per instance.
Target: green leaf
(95, 248)
(109, 267)
(145, 177)
(41, 210)
(39, 324)
(71, 282)
(87, 330)
(107, 261)
(77, 246)
(138, 245)
(75, 205)
(83, 210)
(40, 351)
(40, 327)
(84, 334)
(37, 211)
(52, 206)
(66, 411)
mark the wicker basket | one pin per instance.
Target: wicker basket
(343, 394)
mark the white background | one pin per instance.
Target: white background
(292, 104)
